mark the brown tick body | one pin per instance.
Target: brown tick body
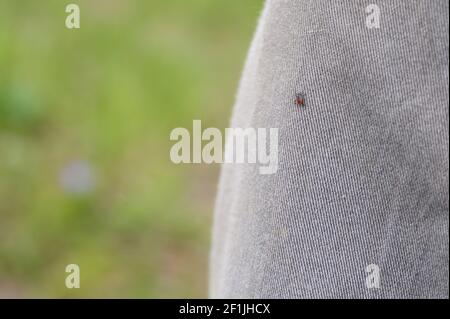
(300, 100)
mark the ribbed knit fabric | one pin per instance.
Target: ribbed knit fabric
(363, 167)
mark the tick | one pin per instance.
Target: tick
(300, 99)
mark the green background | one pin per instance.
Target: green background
(107, 96)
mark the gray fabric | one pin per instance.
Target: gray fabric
(363, 168)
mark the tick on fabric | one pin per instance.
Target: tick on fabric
(300, 99)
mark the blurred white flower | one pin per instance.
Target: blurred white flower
(77, 178)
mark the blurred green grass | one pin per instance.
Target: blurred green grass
(108, 95)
